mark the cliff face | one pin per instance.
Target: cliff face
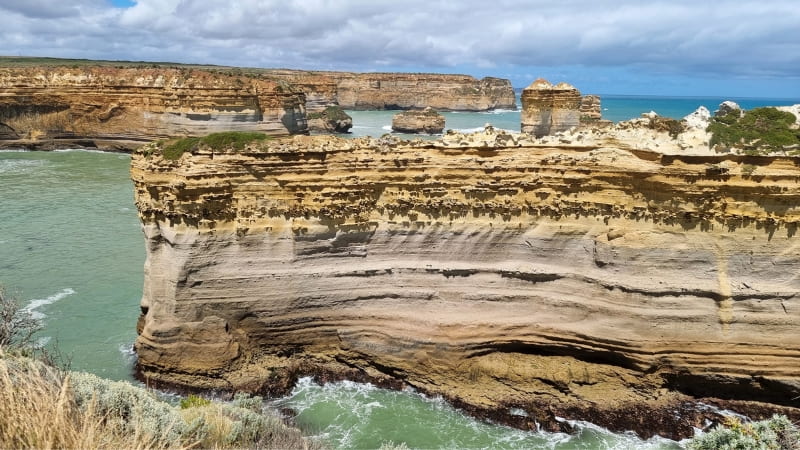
(417, 91)
(579, 281)
(549, 109)
(126, 106)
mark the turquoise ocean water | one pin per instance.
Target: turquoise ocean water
(72, 249)
(615, 108)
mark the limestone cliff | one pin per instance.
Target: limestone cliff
(123, 107)
(525, 279)
(366, 91)
(417, 91)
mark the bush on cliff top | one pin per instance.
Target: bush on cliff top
(758, 131)
(236, 140)
(775, 433)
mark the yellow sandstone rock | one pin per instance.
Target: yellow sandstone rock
(582, 280)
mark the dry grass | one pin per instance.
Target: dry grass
(39, 411)
(45, 408)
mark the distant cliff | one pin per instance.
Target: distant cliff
(123, 107)
(366, 91)
(527, 280)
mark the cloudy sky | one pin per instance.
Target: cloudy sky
(675, 47)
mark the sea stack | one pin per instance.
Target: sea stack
(427, 121)
(548, 109)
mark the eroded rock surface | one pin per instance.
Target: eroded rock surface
(125, 107)
(587, 280)
(427, 121)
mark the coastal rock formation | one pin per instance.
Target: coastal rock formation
(332, 119)
(125, 107)
(549, 109)
(591, 110)
(416, 91)
(370, 91)
(427, 121)
(522, 279)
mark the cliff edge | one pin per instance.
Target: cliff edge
(523, 280)
(107, 107)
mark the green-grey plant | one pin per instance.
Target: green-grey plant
(776, 433)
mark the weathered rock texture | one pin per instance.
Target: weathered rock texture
(572, 280)
(366, 91)
(549, 109)
(591, 110)
(417, 91)
(427, 121)
(125, 107)
(332, 119)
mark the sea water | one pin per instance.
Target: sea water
(614, 107)
(72, 250)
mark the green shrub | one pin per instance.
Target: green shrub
(194, 401)
(235, 140)
(127, 407)
(775, 433)
(758, 131)
(232, 139)
(174, 149)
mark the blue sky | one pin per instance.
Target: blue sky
(680, 47)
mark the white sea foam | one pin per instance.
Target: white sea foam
(479, 129)
(14, 150)
(19, 166)
(42, 341)
(35, 304)
(87, 150)
(386, 127)
(499, 111)
(128, 354)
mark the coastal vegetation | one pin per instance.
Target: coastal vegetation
(47, 407)
(235, 140)
(330, 113)
(757, 131)
(776, 433)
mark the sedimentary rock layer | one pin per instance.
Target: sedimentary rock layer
(578, 281)
(427, 121)
(417, 91)
(549, 109)
(365, 91)
(127, 106)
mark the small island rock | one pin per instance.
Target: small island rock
(426, 121)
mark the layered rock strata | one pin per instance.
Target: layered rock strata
(111, 107)
(365, 91)
(549, 109)
(377, 91)
(427, 121)
(523, 279)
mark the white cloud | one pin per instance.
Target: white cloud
(726, 37)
